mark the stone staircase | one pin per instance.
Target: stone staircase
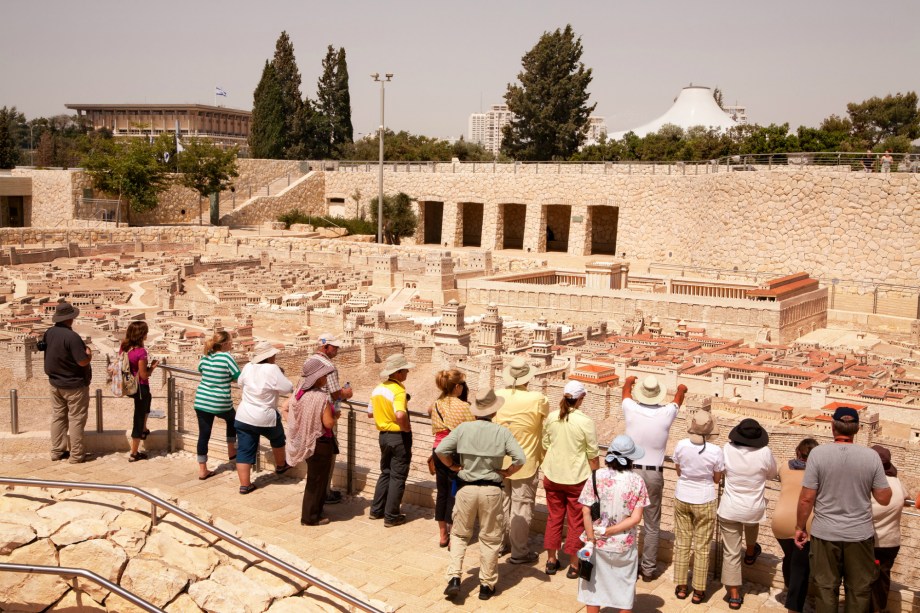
(244, 194)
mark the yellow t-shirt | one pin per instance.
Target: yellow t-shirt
(386, 400)
(523, 413)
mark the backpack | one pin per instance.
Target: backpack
(124, 383)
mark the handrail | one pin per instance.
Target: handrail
(159, 502)
(65, 571)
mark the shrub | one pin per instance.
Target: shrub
(354, 226)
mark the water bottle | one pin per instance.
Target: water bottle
(585, 552)
(337, 405)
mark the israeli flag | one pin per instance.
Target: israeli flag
(220, 92)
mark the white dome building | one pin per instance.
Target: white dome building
(695, 106)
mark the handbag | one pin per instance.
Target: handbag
(596, 507)
(585, 568)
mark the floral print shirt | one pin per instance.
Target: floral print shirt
(620, 492)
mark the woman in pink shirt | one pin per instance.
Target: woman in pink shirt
(141, 367)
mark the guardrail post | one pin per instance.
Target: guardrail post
(14, 412)
(180, 418)
(350, 457)
(99, 410)
(170, 411)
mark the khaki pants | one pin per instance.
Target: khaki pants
(69, 410)
(854, 562)
(733, 548)
(482, 502)
(693, 532)
(517, 504)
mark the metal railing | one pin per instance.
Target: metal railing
(156, 502)
(65, 571)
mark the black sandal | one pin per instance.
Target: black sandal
(571, 573)
(552, 567)
(246, 489)
(134, 457)
(682, 591)
(735, 603)
(283, 469)
(750, 559)
(698, 597)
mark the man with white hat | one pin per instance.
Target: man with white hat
(648, 423)
(389, 403)
(327, 348)
(483, 447)
(67, 361)
(523, 413)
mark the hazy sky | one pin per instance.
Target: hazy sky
(795, 61)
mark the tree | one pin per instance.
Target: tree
(134, 169)
(206, 168)
(403, 146)
(717, 96)
(10, 130)
(345, 133)
(333, 106)
(876, 119)
(266, 137)
(399, 219)
(550, 105)
(293, 108)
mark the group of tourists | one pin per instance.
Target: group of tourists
(837, 518)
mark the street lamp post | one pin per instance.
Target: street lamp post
(31, 146)
(376, 76)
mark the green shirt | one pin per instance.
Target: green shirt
(482, 446)
(213, 393)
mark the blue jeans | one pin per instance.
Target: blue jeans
(249, 435)
(206, 423)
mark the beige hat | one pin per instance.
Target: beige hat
(264, 350)
(649, 391)
(395, 363)
(518, 372)
(701, 427)
(329, 339)
(487, 404)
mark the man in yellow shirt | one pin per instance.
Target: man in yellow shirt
(389, 403)
(523, 413)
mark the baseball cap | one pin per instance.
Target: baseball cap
(329, 339)
(846, 414)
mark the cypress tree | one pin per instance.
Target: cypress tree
(326, 106)
(288, 77)
(345, 132)
(10, 119)
(266, 135)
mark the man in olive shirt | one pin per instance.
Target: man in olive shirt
(523, 413)
(67, 360)
(483, 447)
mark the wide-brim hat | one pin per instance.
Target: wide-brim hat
(395, 363)
(313, 369)
(749, 433)
(264, 350)
(702, 426)
(624, 447)
(64, 311)
(885, 456)
(517, 372)
(487, 404)
(650, 391)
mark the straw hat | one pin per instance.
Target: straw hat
(313, 369)
(64, 311)
(649, 391)
(486, 405)
(701, 427)
(395, 363)
(517, 372)
(264, 350)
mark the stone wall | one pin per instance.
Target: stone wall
(307, 194)
(54, 196)
(833, 224)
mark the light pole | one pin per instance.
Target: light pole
(376, 76)
(31, 146)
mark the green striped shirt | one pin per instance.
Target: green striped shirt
(213, 393)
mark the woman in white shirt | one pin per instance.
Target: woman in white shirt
(699, 467)
(748, 465)
(257, 414)
(887, 520)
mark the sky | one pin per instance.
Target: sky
(787, 61)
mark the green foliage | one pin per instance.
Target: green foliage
(354, 226)
(876, 119)
(207, 168)
(266, 136)
(550, 105)
(399, 219)
(345, 131)
(333, 105)
(10, 129)
(295, 113)
(405, 147)
(717, 96)
(133, 168)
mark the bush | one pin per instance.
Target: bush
(354, 226)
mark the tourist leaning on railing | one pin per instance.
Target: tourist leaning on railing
(133, 345)
(887, 521)
(212, 397)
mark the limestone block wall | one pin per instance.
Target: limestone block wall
(54, 195)
(832, 224)
(307, 194)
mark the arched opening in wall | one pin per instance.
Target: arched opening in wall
(471, 216)
(433, 216)
(558, 220)
(336, 207)
(604, 220)
(513, 220)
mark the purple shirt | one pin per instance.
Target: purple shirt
(134, 356)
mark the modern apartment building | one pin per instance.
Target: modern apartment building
(486, 128)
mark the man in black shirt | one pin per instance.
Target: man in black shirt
(67, 360)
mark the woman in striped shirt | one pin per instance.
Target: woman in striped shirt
(212, 398)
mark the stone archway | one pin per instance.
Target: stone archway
(604, 220)
(558, 220)
(471, 216)
(514, 217)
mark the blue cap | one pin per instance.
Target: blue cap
(848, 414)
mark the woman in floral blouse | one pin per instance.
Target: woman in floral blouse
(622, 496)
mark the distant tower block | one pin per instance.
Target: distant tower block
(385, 268)
(452, 330)
(21, 349)
(490, 331)
(606, 275)
(542, 349)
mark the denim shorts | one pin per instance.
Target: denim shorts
(248, 439)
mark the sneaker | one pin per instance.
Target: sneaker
(64, 455)
(530, 558)
(486, 592)
(453, 588)
(396, 521)
(372, 516)
(333, 497)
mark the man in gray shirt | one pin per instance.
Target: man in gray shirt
(838, 483)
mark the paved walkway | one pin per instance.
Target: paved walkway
(402, 566)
